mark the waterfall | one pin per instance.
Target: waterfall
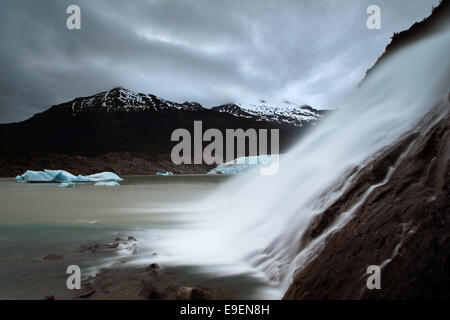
(255, 222)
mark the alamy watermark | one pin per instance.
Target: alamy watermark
(190, 150)
(374, 20)
(374, 280)
(74, 280)
(73, 21)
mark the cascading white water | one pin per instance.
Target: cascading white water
(256, 222)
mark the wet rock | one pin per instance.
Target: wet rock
(87, 294)
(153, 266)
(51, 297)
(51, 257)
(150, 292)
(131, 238)
(91, 248)
(95, 247)
(191, 293)
(87, 291)
(113, 245)
(154, 272)
(119, 239)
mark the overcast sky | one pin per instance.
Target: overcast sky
(210, 51)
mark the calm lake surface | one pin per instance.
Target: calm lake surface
(41, 219)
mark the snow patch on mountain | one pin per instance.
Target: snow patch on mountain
(123, 100)
(280, 112)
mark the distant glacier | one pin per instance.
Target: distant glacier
(245, 164)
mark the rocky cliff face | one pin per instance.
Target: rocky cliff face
(402, 225)
(437, 20)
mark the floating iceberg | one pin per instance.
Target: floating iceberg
(244, 164)
(168, 173)
(107, 184)
(64, 176)
(66, 185)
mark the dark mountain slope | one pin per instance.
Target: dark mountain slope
(433, 23)
(118, 130)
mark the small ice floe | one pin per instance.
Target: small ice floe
(107, 184)
(66, 185)
(51, 257)
(168, 173)
(62, 176)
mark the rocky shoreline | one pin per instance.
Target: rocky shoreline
(122, 163)
(123, 280)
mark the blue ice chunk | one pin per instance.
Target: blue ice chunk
(168, 173)
(64, 176)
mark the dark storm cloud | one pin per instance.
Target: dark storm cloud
(203, 50)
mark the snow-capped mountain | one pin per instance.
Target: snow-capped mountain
(123, 100)
(287, 112)
(130, 133)
(120, 99)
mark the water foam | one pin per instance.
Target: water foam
(254, 223)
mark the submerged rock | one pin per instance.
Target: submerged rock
(86, 247)
(153, 268)
(51, 257)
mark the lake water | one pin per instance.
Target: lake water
(41, 219)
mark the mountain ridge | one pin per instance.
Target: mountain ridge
(127, 132)
(429, 25)
(120, 99)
